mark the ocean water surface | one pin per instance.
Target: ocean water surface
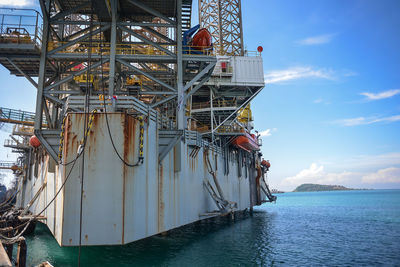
(339, 228)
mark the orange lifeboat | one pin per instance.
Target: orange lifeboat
(246, 142)
(202, 39)
(266, 163)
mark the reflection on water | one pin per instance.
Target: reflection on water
(218, 241)
(343, 228)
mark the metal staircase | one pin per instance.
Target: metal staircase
(186, 16)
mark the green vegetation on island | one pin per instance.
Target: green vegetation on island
(319, 187)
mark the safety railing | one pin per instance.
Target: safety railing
(97, 47)
(13, 115)
(10, 143)
(17, 116)
(6, 164)
(20, 28)
(22, 130)
(216, 104)
(235, 128)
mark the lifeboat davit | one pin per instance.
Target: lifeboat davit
(246, 142)
(202, 39)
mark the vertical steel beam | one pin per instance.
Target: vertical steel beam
(240, 27)
(180, 111)
(45, 6)
(113, 46)
(220, 29)
(212, 115)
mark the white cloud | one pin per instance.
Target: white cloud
(317, 101)
(16, 3)
(316, 40)
(366, 120)
(368, 162)
(267, 132)
(293, 73)
(381, 95)
(316, 174)
(349, 73)
(357, 172)
(388, 175)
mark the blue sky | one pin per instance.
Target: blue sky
(330, 111)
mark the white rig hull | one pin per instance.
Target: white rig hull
(123, 204)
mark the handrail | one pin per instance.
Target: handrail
(17, 116)
(216, 104)
(21, 28)
(97, 47)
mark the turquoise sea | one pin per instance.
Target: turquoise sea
(339, 228)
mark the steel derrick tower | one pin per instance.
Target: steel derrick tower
(223, 18)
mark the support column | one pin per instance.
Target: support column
(212, 115)
(113, 45)
(45, 6)
(180, 112)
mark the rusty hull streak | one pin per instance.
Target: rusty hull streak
(161, 204)
(172, 176)
(71, 143)
(146, 155)
(67, 136)
(129, 125)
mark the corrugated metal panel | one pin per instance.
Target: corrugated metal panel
(248, 70)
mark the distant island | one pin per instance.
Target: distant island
(319, 187)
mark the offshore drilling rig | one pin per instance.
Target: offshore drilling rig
(142, 122)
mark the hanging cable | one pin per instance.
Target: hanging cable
(10, 240)
(141, 137)
(86, 128)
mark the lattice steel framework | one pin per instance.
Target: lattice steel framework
(223, 18)
(128, 50)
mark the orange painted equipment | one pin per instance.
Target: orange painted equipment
(265, 163)
(202, 39)
(14, 168)
(34, 141)
(246, 142)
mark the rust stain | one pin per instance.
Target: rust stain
(86, 238)
(147, 177)
(129, 138)
(161, 204)
(129, 125)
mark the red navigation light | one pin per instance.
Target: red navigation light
(260, 49)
